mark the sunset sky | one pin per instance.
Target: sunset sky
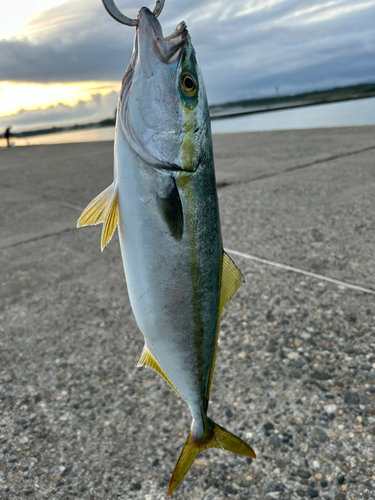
(61, 62)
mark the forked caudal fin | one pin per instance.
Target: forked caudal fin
(218, 437)
(102, 209)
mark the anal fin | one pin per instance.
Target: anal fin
(147, 359)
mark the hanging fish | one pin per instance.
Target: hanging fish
(163, 200)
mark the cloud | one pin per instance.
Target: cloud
(67, 44)
(245, 47)
(279, 51)
(97, 108)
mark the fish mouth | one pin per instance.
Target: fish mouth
(167, 49)
(148, 22)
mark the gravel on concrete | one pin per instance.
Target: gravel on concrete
(295, 371)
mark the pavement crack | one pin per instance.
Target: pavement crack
(222, 184)
(37, 238)
(46, 198)
(226, 183)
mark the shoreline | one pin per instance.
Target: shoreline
(343, 113)
(266, 109)
(222, 111)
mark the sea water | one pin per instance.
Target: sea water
(356, 112)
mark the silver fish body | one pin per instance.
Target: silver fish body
(164, 202)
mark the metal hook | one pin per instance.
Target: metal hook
(119, 16)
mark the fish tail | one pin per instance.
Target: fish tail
(215, 436)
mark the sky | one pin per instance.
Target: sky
(61, 62)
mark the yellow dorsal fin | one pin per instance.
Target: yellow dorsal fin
(111, 220)
(231, 280)
(95, 212)
(147, 359)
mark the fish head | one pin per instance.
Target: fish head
(163, 110)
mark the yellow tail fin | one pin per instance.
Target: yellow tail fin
(218, 438)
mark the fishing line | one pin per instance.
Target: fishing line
(234, 252)
(300, 271)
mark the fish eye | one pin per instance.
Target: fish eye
(188, 84)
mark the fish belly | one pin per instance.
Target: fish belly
(173, 287)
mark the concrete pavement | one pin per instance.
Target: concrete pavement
(296, 355)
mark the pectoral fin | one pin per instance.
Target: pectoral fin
(170, 207)
(102, 209)
(147, 359)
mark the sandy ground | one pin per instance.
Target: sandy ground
(295, 373)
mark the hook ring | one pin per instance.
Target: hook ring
(121, 18)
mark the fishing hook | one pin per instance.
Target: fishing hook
(113, 11)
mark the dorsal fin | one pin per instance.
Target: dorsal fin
(147, 359)
(231, 280)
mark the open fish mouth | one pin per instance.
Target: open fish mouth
(168, 49)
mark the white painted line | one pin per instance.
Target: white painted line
(300, 271)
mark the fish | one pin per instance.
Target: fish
(163, 200)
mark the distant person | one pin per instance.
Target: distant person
(7, 135)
